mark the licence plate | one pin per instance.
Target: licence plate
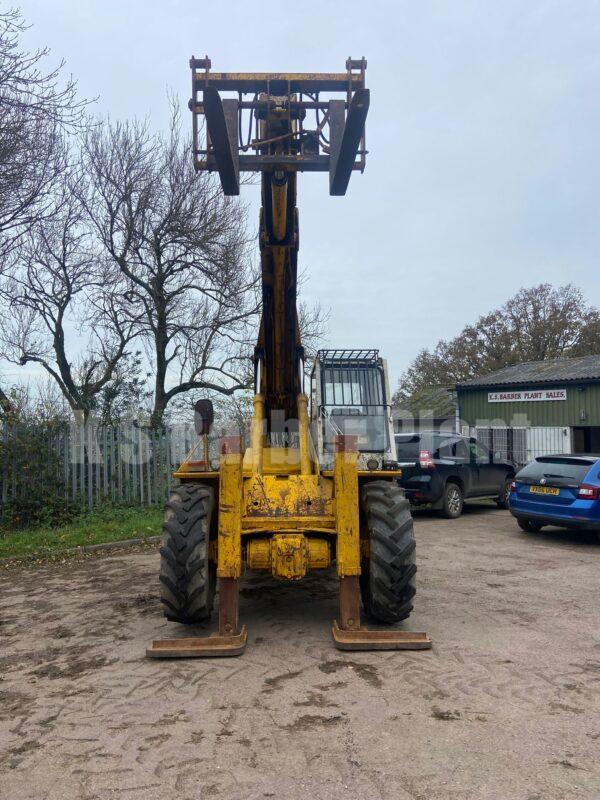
(544, 490)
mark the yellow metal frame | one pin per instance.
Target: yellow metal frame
(279, 493)
(278, 509)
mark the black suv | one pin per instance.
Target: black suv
(442, 470)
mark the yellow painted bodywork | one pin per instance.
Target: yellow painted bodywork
(287, 496)
(289, 556)
(283, 521)
(345, 480)
(229, 542)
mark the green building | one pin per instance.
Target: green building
(555, 403)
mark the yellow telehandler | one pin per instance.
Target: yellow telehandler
(317, 487)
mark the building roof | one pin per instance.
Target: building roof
(555, 370)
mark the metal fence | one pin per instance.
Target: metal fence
(132, 464)
(511, 443)
(547, 441)
(522, 444)
(91, 464)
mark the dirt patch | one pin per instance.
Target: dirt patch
(445, 714)
(61, 632)
(325, 687)
(141, 603)
(367, 672)
(13, 703)
(316, 700)
(25, 747)
(308, 722)
(275, 683)
(72, 670)
(83, 711)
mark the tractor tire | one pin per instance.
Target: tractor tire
(187, 576)
(387, 582)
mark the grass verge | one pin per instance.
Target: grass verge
(94, 527)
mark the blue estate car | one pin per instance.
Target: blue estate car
(557, 490)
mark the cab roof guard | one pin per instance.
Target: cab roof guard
(366, 358)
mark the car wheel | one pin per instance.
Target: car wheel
(503, 498)
(529, 526)
(452, 501)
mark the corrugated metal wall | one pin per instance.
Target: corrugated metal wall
(474, 408)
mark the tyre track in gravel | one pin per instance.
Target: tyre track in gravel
(506, 705)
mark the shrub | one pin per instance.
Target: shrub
(34, 509)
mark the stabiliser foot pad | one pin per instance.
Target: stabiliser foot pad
(364, 639)
(213, 646)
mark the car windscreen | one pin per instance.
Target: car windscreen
(559, 471)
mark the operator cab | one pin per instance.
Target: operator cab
(350, 396)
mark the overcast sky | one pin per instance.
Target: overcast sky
(483, 171)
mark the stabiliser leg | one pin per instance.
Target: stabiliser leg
(348, 634)
(229, 641)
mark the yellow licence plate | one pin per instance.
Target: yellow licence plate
(544, 490)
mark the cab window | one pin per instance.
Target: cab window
(460, 451)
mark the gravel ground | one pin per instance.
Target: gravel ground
(505, 706)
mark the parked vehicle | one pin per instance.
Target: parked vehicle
(559, 490)
(443, 470)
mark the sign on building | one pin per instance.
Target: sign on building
(527, 396)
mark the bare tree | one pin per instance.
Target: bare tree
(36, 107)
(182, 247)
(38, 402)
(128, 395)
(64, 305)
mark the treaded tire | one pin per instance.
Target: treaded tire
(388, 583)
(452, 501)
(529, 526)
(187, 577)
(502, 501)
